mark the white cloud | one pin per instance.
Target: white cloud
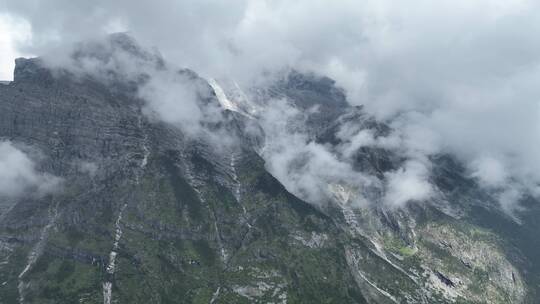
(409, 183)
(355, 139)
(489, 171)
(305, 167)
(454, 76)
(178, 99)
(173, 95)
(508, 199)
(19, 176)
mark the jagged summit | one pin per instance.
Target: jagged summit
(118, 44)
(30, 70)
(117, 56)
(309, 89)
(125, 41)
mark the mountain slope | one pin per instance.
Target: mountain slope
(149, 213)
(164, 219)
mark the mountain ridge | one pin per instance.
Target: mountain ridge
(171, 217)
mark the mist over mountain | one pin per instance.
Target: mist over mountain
(260, 157)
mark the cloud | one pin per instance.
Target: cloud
(508, 198)
(409, 183)
(19, 175)
(86, 167)
(171, 94)
(452, 76)
(355, 140)
(164, 94)
(305, 167)
(181, 99)
(489, 171)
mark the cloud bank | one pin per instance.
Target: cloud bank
(307, 168)
(172, 94)
(453, 76)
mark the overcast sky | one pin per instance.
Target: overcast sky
(459, 76)
(12, 31)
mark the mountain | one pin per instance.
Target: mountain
(146, 212)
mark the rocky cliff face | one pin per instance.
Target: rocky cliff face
(146, 213)
(163, 218)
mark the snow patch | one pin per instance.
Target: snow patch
(231, 97)
(222, 97)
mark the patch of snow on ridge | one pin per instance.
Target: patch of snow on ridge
(233, 98)
(222, 97)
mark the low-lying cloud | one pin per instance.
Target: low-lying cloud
(181, 100)
(19, 175)
(452, 76)
(408, 183)
(171, 94)
(307, 168)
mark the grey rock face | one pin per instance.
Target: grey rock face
(149, 214)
